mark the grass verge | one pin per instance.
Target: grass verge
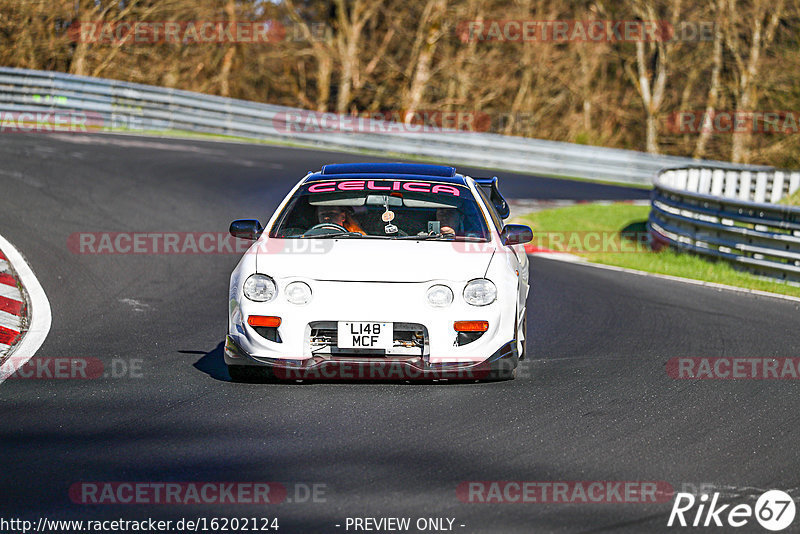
(793, 199)
(594, 231)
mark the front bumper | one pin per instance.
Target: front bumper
(331, 367)
(308, 331)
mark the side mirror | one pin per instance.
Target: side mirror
(246, 229)
(516, 234)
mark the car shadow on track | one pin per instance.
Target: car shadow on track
(213, 364)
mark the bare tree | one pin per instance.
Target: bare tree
(652, 72)
(763, 20)
(714, 83)
(351, 17)
(430, 30)
(364, 55)
(323, 51)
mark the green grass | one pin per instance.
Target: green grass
(582, 229)
(793, 199)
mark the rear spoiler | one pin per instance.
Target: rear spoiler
(489, 186)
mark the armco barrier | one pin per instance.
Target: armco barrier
(159, 109)
(730, 215)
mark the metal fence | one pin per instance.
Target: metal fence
(113, 105)
(730, 215)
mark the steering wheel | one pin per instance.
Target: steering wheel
(326, 226)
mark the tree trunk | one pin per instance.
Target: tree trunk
(435, 11)
(713, 90)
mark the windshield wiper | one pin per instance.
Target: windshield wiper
(340, 234)
(423, 237)
(444, 237)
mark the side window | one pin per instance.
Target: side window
(498, 222)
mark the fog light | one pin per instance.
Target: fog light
(298, 293)
(439, 296)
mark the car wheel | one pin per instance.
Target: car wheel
(250, 373)
(524, 351)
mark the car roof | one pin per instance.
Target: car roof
(403, 171)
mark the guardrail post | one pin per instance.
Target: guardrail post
(704, 184)
(717, 182)
(794, 182)
(744, 185)
(693, 181)
(777, 187)
(761, 187)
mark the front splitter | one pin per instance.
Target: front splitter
(499, 365)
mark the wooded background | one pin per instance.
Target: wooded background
(362, 56)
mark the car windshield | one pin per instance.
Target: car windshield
(385, 209)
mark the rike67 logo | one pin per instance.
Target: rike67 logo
(774, 510)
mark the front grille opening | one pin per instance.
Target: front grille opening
(269, 333)
(410, 339)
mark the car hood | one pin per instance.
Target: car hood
(372, 260)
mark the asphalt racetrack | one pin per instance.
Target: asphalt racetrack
(594, 402)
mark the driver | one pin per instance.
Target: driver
(342, 216)
(450, 220)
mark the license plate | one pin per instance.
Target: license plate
(361, 335)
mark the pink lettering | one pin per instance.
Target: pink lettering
(371, 185)
(353, 185)
(324, 187)
(415, 187)
(439, 188)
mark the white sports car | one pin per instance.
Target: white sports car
(381, 271)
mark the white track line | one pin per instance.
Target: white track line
(571, 258)
(40, 317)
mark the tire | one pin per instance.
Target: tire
(250, 373)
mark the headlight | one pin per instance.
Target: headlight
(480, 292)
(439, 296)
(298, 293)
(260, 288)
